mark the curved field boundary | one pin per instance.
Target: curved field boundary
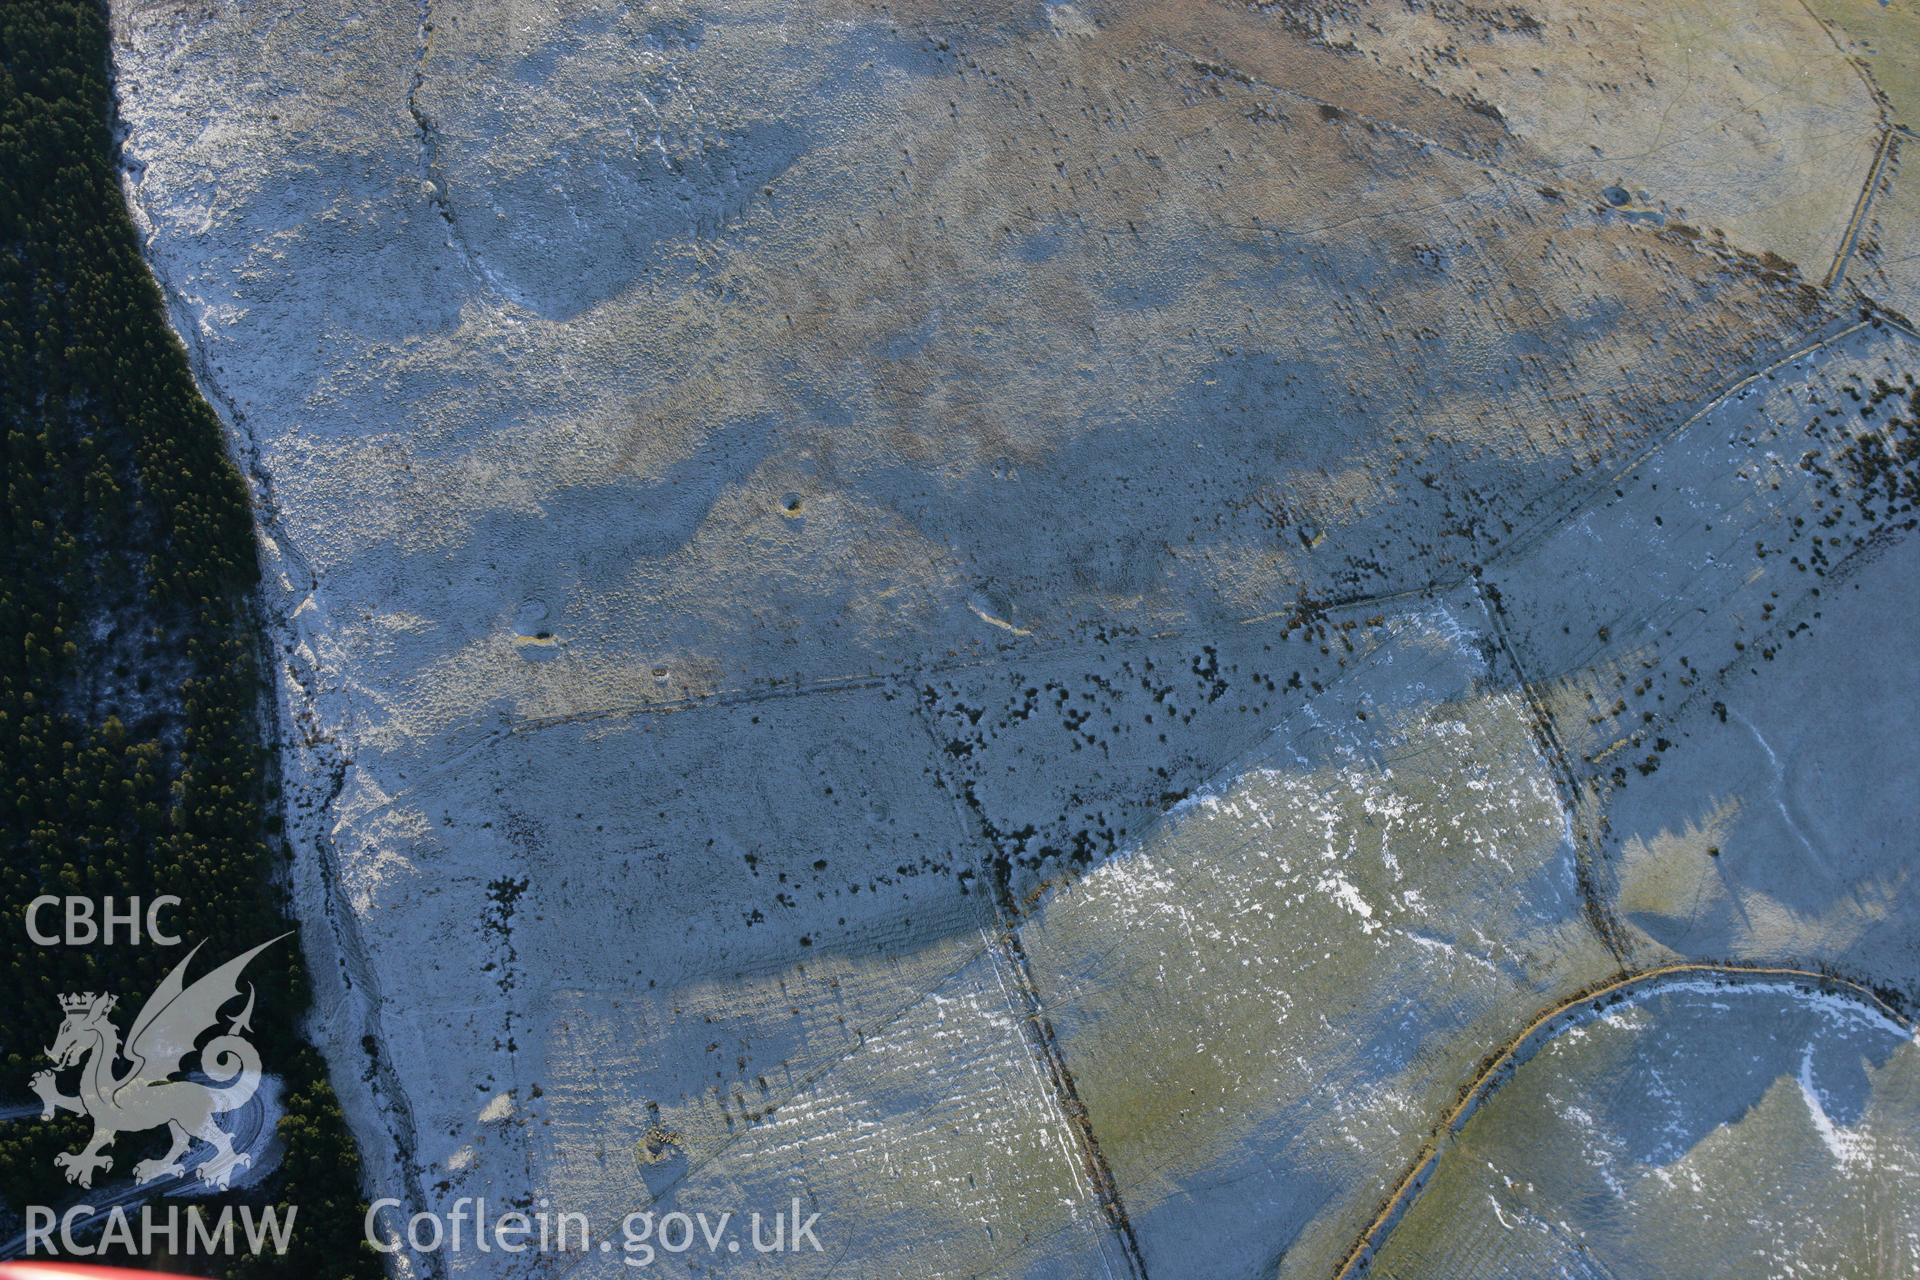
(1548, 1023)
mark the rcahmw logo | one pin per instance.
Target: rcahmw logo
(148, 1094)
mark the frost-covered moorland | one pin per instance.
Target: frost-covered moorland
(1131, 637)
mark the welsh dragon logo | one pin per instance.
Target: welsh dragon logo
(146, 1095)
